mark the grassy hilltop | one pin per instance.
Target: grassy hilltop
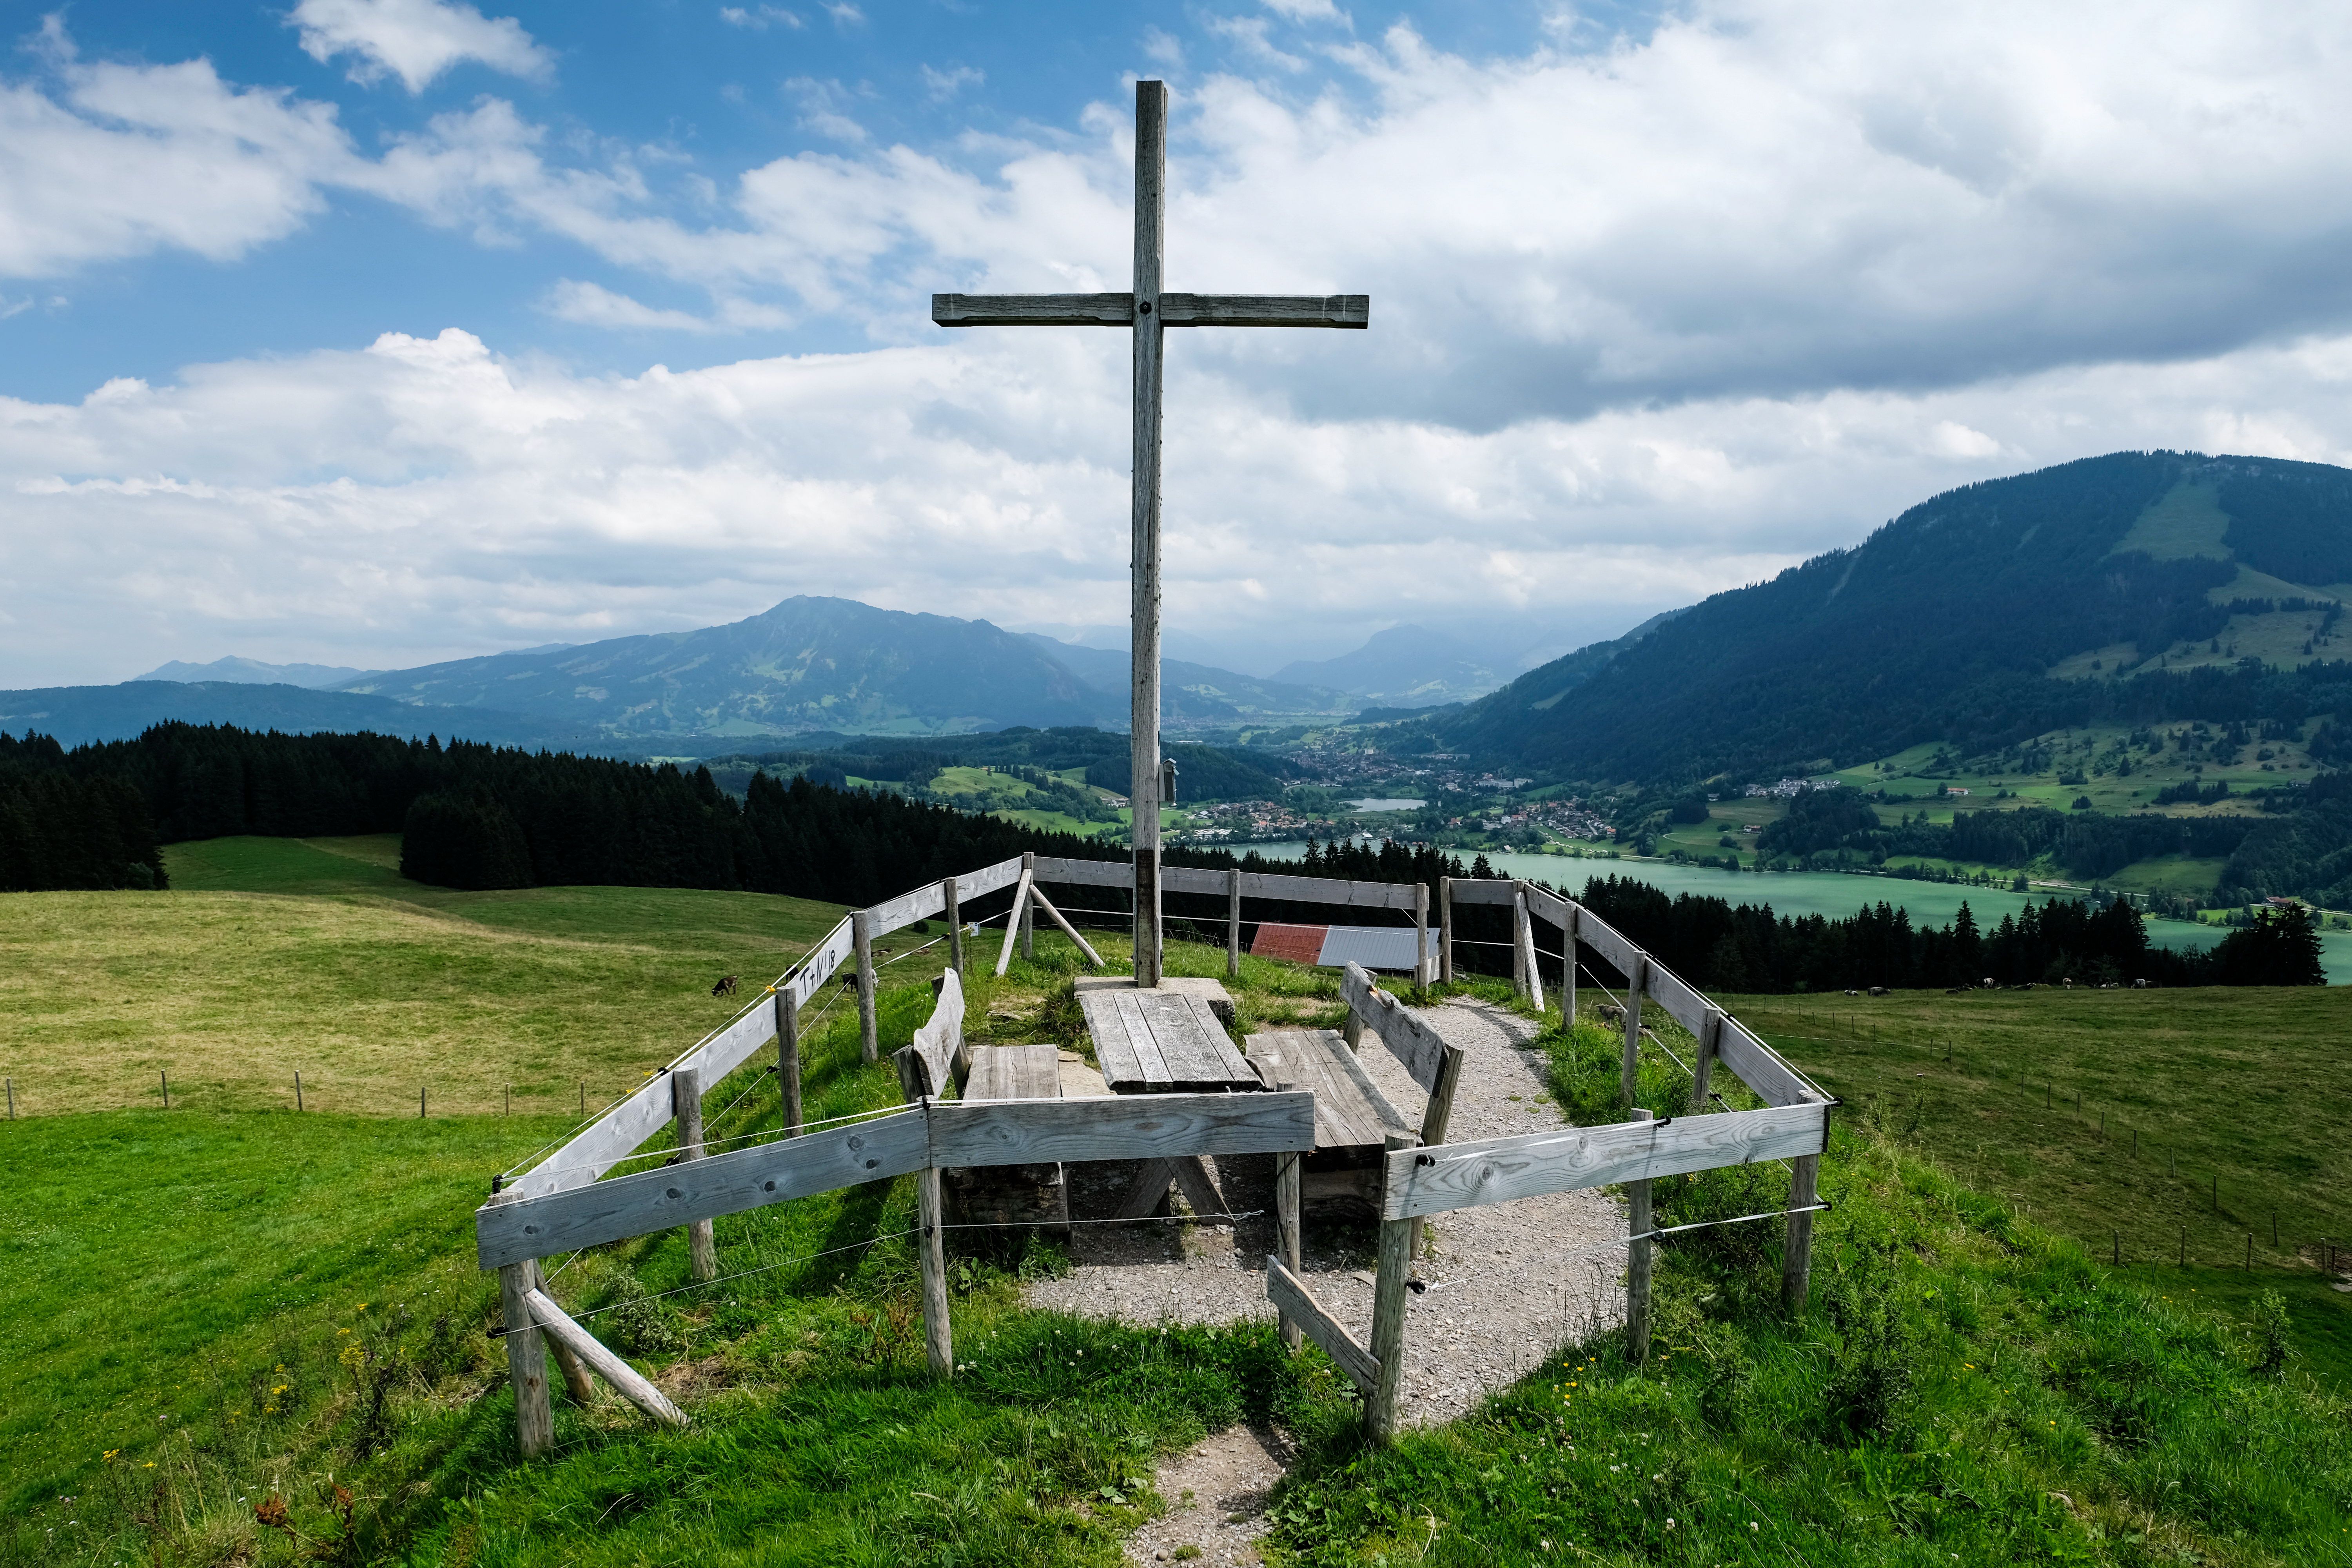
(206, 1309)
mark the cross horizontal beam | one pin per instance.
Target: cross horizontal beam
(1346, 310)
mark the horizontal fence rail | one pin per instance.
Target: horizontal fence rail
(1531, 1164)
(991, 1132)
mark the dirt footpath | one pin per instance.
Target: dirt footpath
(1507, 1286)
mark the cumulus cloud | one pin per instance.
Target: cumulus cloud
(427, 498)
(416, 40)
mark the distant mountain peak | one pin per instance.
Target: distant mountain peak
(240, 671)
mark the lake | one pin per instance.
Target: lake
(1830, 893)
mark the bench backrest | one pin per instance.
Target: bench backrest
(1432, 1064)
(936, 1059)
(1408, 1038)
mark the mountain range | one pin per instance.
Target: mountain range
(2108, 588)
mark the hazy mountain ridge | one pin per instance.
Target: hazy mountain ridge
(1957, 618)
(235, 670)
(74, 715)
(806, 663)
(1402, 667)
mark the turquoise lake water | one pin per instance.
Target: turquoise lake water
(1832, 894)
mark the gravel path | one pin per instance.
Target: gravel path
(1507, 1284)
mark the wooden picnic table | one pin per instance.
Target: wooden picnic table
(1162, 1042)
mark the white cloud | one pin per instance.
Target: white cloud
(593, 305)
(760, 20)
(1305, 10)
(416, 40)
(425, 497)
(846, 15)
(943, 85)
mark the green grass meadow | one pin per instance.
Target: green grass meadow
(232, 1334)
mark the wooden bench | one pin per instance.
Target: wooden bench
(1352, 1118)
(939, 1060)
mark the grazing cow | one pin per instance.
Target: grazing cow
(725, 986)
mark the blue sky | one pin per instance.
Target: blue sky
(376, 332)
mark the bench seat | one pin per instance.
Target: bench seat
(1352, 1118)
(1035, 1195)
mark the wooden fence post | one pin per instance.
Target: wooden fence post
(1445, 930)
(1435, 1118)
(166, 1078)
(526, 1356)
(787, 1057)
(298, 1097)
(1288, 1196)
(938, 1335)
(1420, 938)
(1388, 1313)
(686, 1104)
(1797, 1252)
(1710, 1031)
(575, 1374)
(869, 1040)
(1524, 932)
(1233, 926)
(1519, 943)
(1567, 968)
(955, 925)
(1637, 1262)
(1028, 914)
(11, 1098)
(1629, 1080)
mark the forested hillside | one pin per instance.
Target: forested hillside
(1945, 625)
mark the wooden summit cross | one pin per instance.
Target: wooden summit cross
(1146, 309)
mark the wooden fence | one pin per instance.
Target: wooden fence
(569, 1201)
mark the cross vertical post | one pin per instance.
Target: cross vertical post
(1147, 310)
(1143, 744)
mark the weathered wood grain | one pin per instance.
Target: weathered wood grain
(1638, 1256)
(1328, 891)
(938, 1335)
(686, 1095)
(1037, 896)
(1120, 1126)
(1760, 1067)
(1342, 311)
(1033, 310)
(1350, 1112)
(1388, 1282)
(1143, 502)
(1067, 872)
(1013, 921)
(1014, 1072)
(1301, 1310)
(869, 1028)
(625, 1379)
(1497, 1170)
(726, 1183)
(1412, 1041)
(1484, 890)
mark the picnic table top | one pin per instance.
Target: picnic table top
(1162, 1042)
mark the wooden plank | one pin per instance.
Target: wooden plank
(1116, 1052)
(1300, 1309)
(1183, 1054)
(1330, 890)
(626, 1381)
(1143, 1194)
(1013, 921)
(896, 914)
(1128, 1006)
(1496, 1170)
(1483, 890)
(1086, 873)
(1037, 896)
(725, 1183)
(1608, 941)
(1408, 1037)
(1760, 1067)
(941, 1035)
(1033, 310)
(1193, 879)
(1547, 905)
(1123, 1126)
(820, 962)
(1199, 1189)
(1350, 1111)
(1014, 1072)
(1342, 311)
